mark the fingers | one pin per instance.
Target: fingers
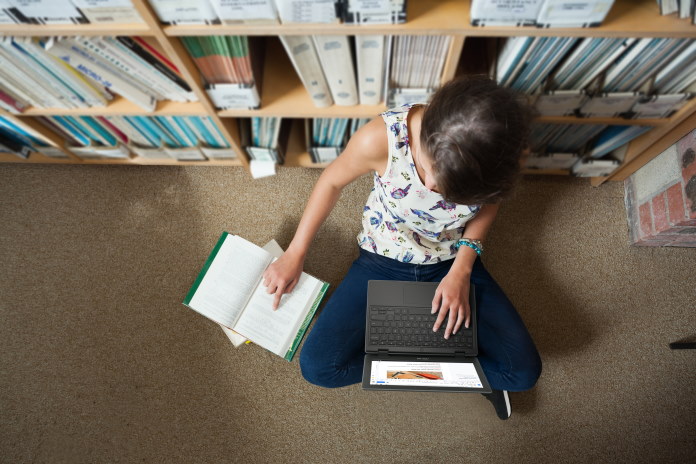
(437, 299)
(463, 316)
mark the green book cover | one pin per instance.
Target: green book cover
(206, 266)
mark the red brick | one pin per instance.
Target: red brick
(645, 220)
(659, 209)
(675, 204)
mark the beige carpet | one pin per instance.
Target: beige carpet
(101, 363)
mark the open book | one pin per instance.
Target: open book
(229, 290)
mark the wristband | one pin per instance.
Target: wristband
(475, 245)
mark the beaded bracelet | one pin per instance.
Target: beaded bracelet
(475, 245)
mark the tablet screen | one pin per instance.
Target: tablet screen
(388, 373)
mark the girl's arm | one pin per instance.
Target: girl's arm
(452, 295)
(366, 151)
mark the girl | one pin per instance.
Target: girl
(439, 172)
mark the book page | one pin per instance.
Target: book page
(274, 330)
(230, 280)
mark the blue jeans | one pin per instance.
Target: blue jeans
(334, 351)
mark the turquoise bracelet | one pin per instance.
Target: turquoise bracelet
(473, 244)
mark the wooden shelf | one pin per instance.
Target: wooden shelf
(627, 18)
(33, 30)
(38, 158)
(122, 107)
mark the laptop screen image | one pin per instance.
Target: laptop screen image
(425, 374)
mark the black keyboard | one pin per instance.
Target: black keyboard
(392, 326)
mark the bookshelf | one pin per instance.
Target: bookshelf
(283, 94)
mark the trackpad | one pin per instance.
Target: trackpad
(419, 295)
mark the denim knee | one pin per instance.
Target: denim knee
(525, 377)
(316, 370)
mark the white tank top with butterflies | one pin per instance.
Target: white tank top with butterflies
(403, 219)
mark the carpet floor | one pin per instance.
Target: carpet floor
(100, 362)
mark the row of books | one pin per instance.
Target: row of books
(585, 150)
(81, 72)
(568, 63)
(204, 11)
(684, 9)
(265, 138)
(280, 11)
(385, 65)
(179, 137)
(629, 77)
(539, 13)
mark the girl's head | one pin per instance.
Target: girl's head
(473, 133)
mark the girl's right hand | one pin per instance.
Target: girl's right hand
(282, 275)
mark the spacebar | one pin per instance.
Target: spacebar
(420, 350)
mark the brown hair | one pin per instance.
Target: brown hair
(474, 132)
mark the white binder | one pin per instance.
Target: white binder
(337, 62)
(371, 63)
(300, 49)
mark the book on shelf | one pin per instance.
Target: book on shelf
(327, 137)
(123, 66)
(229, 290)
(231, 68)
(108, 11)
(605, 104)
(371, 64)
(304, 58)
(19, 139)
(336, 60)
(614, 137)
(572, 13)
(679, 74)
(563, 138)
(374, 11)
(540, 13)
(186, 138)
(44, 12)
(415, 68)
(179, 12)
(246, 11)
(265, 138)
(308, 11)
(504, 12)
(659, 106)
(560, 102)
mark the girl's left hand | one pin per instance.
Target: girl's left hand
(452, 300)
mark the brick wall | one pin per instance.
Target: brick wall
(661, 198)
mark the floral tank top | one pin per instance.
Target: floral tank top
(403, 219)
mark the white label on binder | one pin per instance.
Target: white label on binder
(326, 154)
(370, 6)
(120, 152)
(307, 11)
(219, 153)
(244, 10)
(151, 153)
(660, 106)
(186, 154)
(108, 11)
(559, 104)
(611, 104)
(52, 152)
(231, 96)
(261, 154)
